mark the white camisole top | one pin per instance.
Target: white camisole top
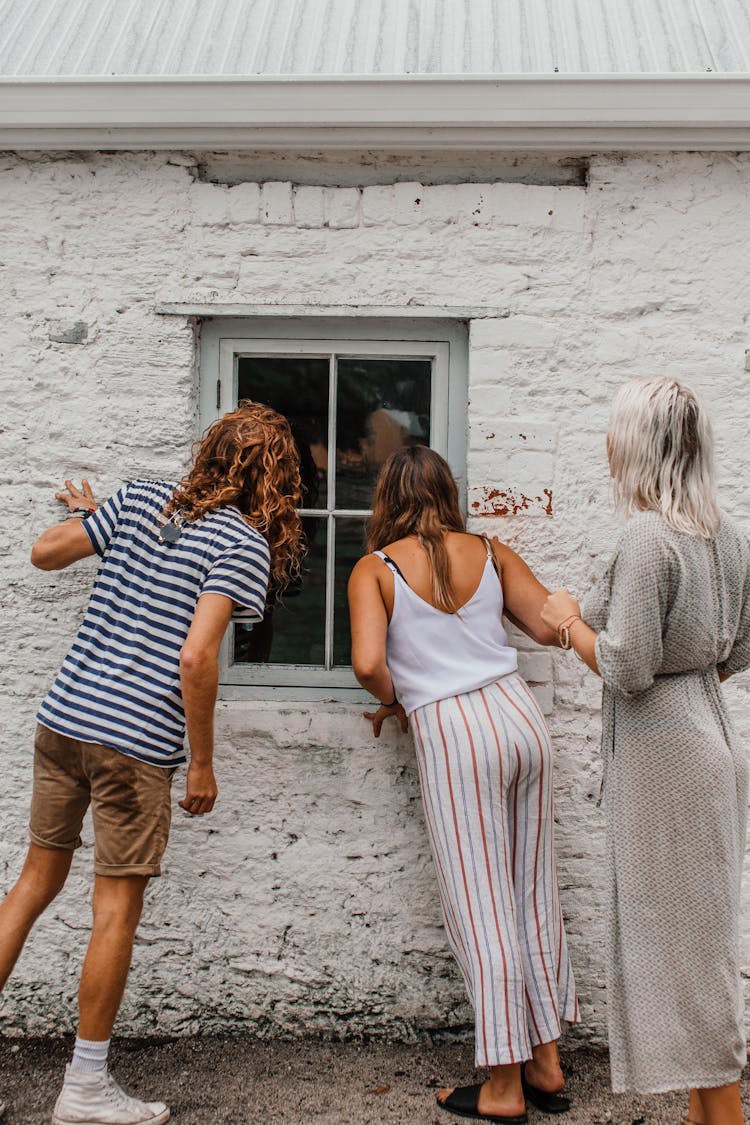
(432, 655)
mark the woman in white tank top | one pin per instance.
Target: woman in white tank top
(428, 641)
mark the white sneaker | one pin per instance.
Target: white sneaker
(94, 1098)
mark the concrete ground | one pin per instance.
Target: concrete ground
(241, 1082)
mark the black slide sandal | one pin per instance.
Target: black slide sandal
(542, 1099)
(464, 1102)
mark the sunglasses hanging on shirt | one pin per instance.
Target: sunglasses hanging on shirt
(172, 529)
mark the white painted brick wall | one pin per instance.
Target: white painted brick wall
(243, 203)
(309, 206)
(276, 203)
(342, 207)
(308, 900)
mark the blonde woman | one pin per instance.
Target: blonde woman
(669, 620)
(428, 641)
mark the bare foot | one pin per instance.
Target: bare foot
(492, 1101)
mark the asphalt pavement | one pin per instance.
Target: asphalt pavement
(243, 1082)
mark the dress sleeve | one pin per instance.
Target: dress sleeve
(739, 654)
(100, 525)
(629, 648)
(241, 573)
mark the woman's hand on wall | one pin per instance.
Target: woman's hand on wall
(377, 718)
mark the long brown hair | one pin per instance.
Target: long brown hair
(416, 494)
(249, 459)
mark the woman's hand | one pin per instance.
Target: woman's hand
(377, 718)
(558, 608)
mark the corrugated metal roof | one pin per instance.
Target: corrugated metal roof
(78, 38)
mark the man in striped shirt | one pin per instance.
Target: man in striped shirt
(176, 560)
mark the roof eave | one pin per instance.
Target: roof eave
(541, 112)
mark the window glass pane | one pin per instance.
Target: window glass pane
(350, 547)
(382, 404)
(296, 386)
(293, 630)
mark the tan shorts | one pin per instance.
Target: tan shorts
(130, 803)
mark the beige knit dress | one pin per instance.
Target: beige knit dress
(672, 611)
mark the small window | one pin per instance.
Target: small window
(350, 403)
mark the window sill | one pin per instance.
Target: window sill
(291, 694)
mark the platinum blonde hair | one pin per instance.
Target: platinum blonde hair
(661, 454)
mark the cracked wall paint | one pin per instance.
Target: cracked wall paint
(508, 502)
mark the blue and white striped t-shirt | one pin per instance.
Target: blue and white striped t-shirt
(119, 685)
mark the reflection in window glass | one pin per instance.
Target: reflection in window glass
(381, 405)
(296, 386)
(293, 630)
(350, 547)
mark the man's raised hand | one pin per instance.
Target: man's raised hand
(77, 499)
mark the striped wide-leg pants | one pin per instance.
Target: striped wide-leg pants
(485, 764)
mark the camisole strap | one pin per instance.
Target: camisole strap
(390, 564)
(492, 557)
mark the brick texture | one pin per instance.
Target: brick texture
(307, 901)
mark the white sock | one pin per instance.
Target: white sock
(89, 1055)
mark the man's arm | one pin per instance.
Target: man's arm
(67, 542)
(59, 546)
(199, 681)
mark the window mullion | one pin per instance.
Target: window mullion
(330, 588)
(331, 525)
(332, 395)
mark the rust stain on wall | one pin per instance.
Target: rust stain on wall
(508, 502)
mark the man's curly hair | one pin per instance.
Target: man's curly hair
(249, 459)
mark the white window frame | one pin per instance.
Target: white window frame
(223, 342)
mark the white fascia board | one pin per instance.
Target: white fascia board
(591, 112)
